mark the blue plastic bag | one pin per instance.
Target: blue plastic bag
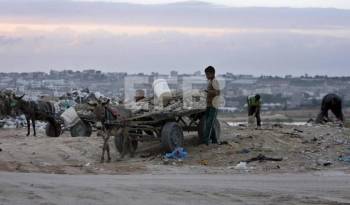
(178, 153)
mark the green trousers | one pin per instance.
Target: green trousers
(209, 131)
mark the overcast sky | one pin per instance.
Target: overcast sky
(341, 4)
(39, 35)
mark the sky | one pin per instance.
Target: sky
(341, 4)
(40, 35)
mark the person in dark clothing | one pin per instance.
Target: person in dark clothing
(254, 105)
(213, 92)
(330, 102)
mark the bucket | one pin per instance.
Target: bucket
(162, 90)
(70, 117)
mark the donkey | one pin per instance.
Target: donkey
(5, 109)
(33, 110)
(113, 122)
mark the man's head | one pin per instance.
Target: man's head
(210, 72)
(257, 97)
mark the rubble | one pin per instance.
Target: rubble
(241, 166)
(261, 158)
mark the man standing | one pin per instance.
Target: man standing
(213, 92)
(254, 105)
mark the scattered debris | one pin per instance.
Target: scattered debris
(146, 155)
(298, 130)
(310, 120)
(223, 143)
(277, 125)
(344, 158)
(262, 158)
(324, 163)
(243, 151)
(204, 162)
(241, 166)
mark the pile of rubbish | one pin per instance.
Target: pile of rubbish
(175, 101)
(18, 122)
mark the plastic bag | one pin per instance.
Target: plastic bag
(178, 153)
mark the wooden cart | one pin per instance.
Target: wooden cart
(164, 126)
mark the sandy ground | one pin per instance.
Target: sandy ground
(42, 170)
(301, 148)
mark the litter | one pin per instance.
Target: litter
(204, 162)
(241, 165)
(344, 158)
(262, 158)
(178, 153)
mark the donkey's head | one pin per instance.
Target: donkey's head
(99, 109)
(7, 104)
(15, 102)
(3, 109)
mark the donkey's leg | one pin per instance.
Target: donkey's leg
(33, 123)
(131, 148)
(125, 139)
(107, 149)
(103, 149)
(28, 126)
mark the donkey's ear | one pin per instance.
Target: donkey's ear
(18, 98)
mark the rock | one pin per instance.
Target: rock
(223, 143)
(324, 163)
(277, 125)
(297, 130)
(327, 164)
(243, 151)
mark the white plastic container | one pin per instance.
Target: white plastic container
(70, 117)
(161, 90)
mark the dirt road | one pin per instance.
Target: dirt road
(316, 188)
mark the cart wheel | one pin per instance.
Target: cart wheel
(119, 141)
(81, 129)
(172, 136)
(53, 129)
(201, 129)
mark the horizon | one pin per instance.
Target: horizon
(305, 75)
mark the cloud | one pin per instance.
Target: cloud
(43, 35)
(267, 53)
(179, 15)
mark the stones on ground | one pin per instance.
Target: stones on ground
(243, 151)
(322, 162)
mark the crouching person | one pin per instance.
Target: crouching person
(330, 102)
(213, 94)
(254, 106)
